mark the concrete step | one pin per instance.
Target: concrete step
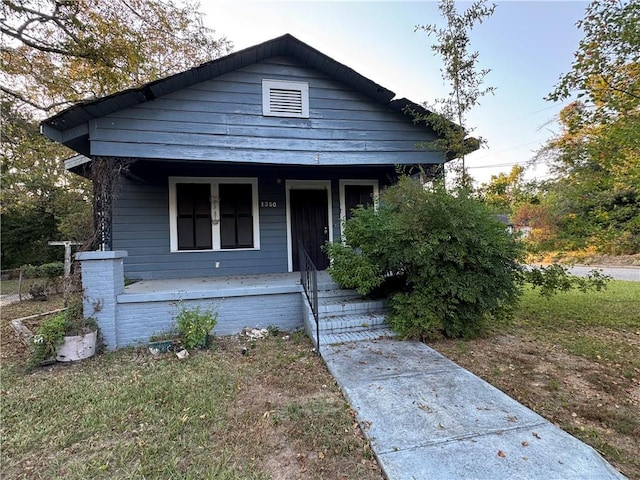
(363, 335)
(348, 305)
(327, 283)
(337, 292)
(353, 322)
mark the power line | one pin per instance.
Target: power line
(530, 114)
(509, 164)
(507, 150)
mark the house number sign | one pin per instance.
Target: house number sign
(268, 204)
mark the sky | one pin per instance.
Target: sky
(527, 45)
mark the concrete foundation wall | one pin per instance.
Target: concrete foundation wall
(140, 320)
(127, 319)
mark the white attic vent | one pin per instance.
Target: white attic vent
(285, 99)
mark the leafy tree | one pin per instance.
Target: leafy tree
(596, 156)
(464, 78)
(445, 260)
(58, 53)
(606, 66)
(505, 192)
(62, 52)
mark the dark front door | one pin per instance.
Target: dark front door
(309, 225)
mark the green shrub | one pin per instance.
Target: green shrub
(52, 270)
(49, 274)
(50, 334)
(194, 325)
(556, 278)
(49, 271)
(352, 269)
(450, 262)
(48, 337)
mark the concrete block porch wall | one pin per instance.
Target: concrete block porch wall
(132, 318)
(102, 282)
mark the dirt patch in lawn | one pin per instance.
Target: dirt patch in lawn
(12, 349)
(244, 409)
(285, 414)
(595, 400)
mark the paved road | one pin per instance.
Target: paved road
(618, 273)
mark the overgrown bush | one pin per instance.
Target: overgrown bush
(50, 271)
(50, 275)
(51, 332)
(445, 261)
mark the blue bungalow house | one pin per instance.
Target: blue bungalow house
(232, 167)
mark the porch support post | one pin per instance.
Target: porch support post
(102, 179)
(106, 174)
(102, 282)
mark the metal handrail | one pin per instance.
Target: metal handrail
(309, 280)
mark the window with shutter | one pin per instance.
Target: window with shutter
(194, 216)
(213, 213)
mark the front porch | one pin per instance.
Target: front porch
(131, 315)
(178, 289)
(258, 301)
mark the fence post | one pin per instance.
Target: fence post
(20, 285)
(67, 254)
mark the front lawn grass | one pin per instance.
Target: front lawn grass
(274, 412)
(575, 359)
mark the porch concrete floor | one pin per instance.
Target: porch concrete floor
(212, 283)
(224, 286)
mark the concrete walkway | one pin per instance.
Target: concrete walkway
(9, 299)
(428, 418)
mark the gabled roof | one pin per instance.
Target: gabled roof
(286, 45)
(69, 127)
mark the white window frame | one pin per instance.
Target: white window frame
(268, 84)
(363, 182)
(214, 183)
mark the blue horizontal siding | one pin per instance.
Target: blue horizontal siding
(221, 120)
(141, 222)
(299, 131)
(227, 142)
(216, 129)
(243, 155)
